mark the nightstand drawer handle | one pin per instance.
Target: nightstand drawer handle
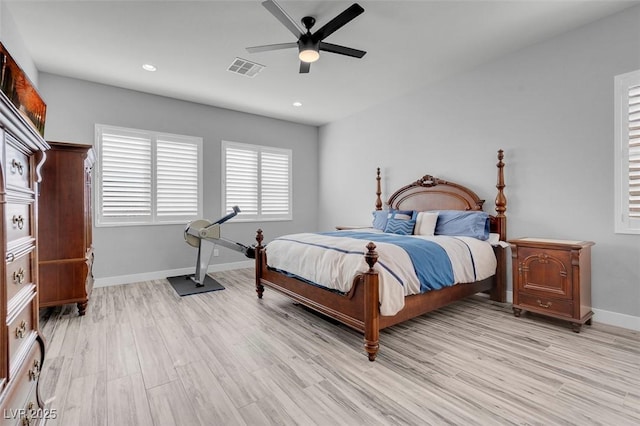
(544, 305)
(18, 276)
(21, 330)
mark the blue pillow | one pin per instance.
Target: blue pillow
(380, 219)
(401, 222)
(463, 224)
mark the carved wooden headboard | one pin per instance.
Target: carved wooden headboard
(432, 193)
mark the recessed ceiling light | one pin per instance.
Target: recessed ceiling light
(297, 104)
(149, 67)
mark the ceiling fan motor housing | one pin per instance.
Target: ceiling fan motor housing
(308, 22)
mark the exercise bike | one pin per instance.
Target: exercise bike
(205, 236)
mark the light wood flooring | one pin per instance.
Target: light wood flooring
(142, 355)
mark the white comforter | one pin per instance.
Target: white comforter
(332, 261)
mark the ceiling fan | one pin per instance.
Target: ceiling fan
(309, 45)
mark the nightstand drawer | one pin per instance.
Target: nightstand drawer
(545, 272)
(546, 305)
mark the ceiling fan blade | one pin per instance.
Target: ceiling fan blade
(304, 67)
(282, 16)
(267, 47)
(337, 22)
(342, 50)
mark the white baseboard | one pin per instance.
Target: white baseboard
(158, 275)
(599, 315)
(606, 317)
(616, 319)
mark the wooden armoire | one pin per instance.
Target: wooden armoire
(21, 346)
(66, 251)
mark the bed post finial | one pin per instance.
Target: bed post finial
(259, 238)
(378, 191)
(501, 200)
(371, 257)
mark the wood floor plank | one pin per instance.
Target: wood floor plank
(210, 402)
(85, 404)
(155, 362)
(123, 354)
(127, 403)
(178, 344)
(253, 415)
(233, 376)
(90, 356)
(170, 406)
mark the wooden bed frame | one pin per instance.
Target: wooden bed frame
(359, 309)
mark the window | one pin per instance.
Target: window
(258, 180)
(627, 153)
(147, 177)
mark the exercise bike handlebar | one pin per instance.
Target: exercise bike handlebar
(223, 219)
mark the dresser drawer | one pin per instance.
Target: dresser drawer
(17, 166)
(546, 305)
(18, 221)
(20, 330)
(19, 273)
(21, 395)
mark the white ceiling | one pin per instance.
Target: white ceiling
(409, 44)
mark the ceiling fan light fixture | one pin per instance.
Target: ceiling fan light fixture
(309, 55)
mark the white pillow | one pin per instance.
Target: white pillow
(426, 223)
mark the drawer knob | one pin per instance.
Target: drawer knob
(18, 220)
(16, 166)
(18, 276)
(34, 373)
(544, 305)
(27, 417)
(21, 330)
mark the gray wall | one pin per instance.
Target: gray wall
(11, 39)
(549, 106)
(75, 106)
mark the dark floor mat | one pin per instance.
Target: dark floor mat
(185, 286)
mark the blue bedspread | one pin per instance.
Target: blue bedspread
(430, 261)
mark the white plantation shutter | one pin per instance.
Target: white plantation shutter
(627, 113)
(274, 172)
(126, 175)
(241, 181)
(258, 180)
(147, 177)
(177, 178)
(634, 151)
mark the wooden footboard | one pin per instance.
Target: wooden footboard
(359, 309)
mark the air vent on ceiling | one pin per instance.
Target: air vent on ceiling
(244, 67)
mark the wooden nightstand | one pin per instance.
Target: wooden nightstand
(553, 278)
